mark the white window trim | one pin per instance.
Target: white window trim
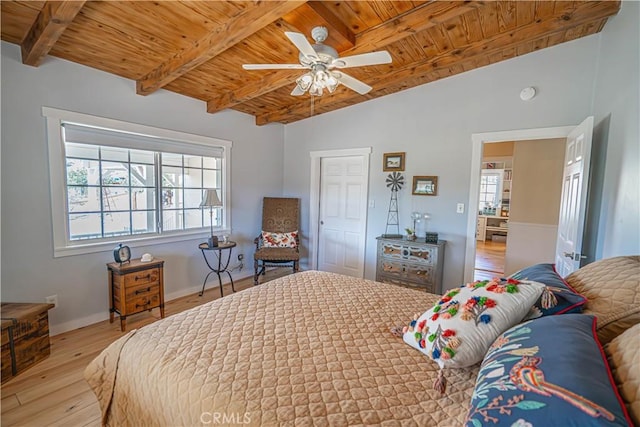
(62, 246)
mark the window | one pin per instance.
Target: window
(490, 189)
(133, 183)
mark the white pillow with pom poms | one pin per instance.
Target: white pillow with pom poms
(457, 331)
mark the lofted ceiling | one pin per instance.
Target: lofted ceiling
(197, 48)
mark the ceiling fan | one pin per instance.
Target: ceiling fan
(324, 65)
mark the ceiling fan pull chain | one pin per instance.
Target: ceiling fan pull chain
(312, 105)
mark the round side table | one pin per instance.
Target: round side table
(221, 266)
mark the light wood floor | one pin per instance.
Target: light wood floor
(489, 259)
(54, 392)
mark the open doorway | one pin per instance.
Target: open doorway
(531, 239)
(494, 199)
(520, 235)
(518, 205)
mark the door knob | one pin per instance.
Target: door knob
(321, 222)
(574, 256)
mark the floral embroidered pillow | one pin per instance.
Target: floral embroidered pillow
(459, 329)
(557, 298)
(547, 372)
(279, 240)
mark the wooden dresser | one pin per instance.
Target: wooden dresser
(411, 263)
(135, 287)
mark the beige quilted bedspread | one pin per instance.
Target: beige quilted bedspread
(308, 349)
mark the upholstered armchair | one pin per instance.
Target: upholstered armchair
(278, 244)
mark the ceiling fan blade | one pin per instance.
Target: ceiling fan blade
(273, 66)
(352, 83)
(372, 58)
(302, 44)
(297, 91)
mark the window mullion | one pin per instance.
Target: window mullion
(101, 191)
(131, 231)
(159, 210)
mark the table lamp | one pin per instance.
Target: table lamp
(211, 200)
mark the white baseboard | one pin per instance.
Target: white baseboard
(60, 328)
(77, 323)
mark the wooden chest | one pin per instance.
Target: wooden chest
(135, 287)
(25, 336)
(411, 263)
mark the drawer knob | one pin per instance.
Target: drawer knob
(142, 291)
(148, 276)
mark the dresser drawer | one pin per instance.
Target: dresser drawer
(138, 278)
(407, 272)
(409, 252)
(141, 303)
(399, 280)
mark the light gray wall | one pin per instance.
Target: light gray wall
(615, 221)
(433, 124)
(29, 271)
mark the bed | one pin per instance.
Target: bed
(313, 348)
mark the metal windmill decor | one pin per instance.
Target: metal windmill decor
(395, 181)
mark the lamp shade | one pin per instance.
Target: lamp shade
(211, 199)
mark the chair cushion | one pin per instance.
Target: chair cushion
(277, 254)
(280, 240)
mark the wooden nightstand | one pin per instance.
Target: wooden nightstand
(135, 287)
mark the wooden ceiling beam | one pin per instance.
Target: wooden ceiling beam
(49, 25)
(419, 19)
(316, 13)
(583, 13)
(256, 16)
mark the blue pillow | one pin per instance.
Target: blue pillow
(547, 372)
(558, 298)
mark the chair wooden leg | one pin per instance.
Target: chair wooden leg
(295, 266)
(255, 274)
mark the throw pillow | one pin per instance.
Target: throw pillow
(624, 360)
(459, 329)
(279, 240)
(547, 371)
(557, 298)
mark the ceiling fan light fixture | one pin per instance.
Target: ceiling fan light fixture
(315, 90)
(305, 81)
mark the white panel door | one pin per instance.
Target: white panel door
(573, 204)
(342, 216)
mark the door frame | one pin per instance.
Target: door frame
(314, 197)
(477, 140)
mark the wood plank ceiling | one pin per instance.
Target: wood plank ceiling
(197, 48)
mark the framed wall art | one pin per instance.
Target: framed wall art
(425, 186)
(393, 162)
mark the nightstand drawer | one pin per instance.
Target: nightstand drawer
(142, 290)
(141, 303)
(141, 277)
